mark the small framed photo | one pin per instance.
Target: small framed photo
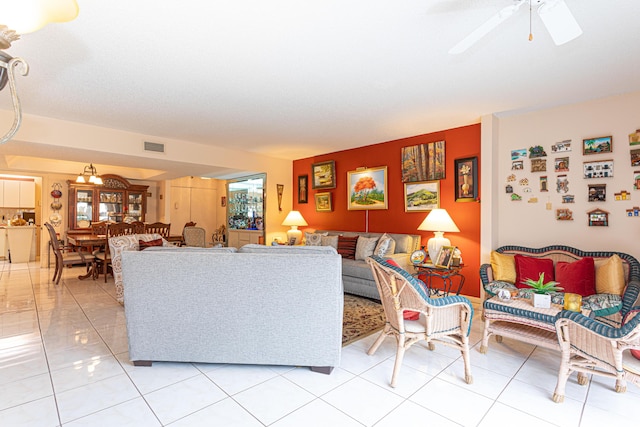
(600, 145)
(323, 202)
(421, 196)
(445, 255)
(323, 175)
(538, 165)
(303, 188)
(600, 169)
(562, 164)
(598, 192)
(466, 179)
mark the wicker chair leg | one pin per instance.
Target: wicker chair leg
(621, 386)
(498, 339)
(379, 340)
(431, 346)
(397, 365)
(468, 378)
(563, 375)
(583, 379)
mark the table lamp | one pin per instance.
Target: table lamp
(294, 219)
(438, 221)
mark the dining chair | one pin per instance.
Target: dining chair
(100, 229)
(158, 228)
(194, 236)
(138, 227)
(445, 320)
(65, 257)
(113, 229)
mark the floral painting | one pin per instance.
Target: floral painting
(423, 162)
(466, 179)
(367, 189)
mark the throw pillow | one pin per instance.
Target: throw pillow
(610, 276)
(530, 268)
(578, 277)
(330, 241)
(313, 239)
(365, 247)
(347, 246)
(503, 267)
(385, 247)
(144, 245)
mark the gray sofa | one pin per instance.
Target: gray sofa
(357, 277)
(262, 305)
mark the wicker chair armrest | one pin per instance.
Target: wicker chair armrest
(486, 275)
(595, 327)
(631, 297)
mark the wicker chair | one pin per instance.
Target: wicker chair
(444, 320)
(590, 346)
(194, 236)
(63, 257)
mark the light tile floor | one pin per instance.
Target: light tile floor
(63, 361)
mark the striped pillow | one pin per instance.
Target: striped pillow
(347, 246)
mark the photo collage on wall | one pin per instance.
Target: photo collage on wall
(533, 169)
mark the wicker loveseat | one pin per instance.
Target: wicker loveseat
(603, 305)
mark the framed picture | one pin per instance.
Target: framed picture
(421, 196)
(443, 260)
(303, 188)
(561, 164)
(466, 179)
(323, 175)
(603, 144)
(600, 169)
(538, 165)
(598, 192)
(635, 157)
(323, 202)
(367, 189)
(423, 162)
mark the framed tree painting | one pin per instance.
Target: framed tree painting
(423, 162)
(466, 179)
(303, 188)
(367, 189)
(323, 175)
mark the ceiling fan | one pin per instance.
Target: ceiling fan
(555, 16)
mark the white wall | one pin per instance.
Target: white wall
(531, 224)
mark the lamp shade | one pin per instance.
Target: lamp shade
(27, 16)
(438, 220)
(294, 218)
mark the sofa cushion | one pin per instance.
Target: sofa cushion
(142, 244)
(284, 249)
(386, 246)
(353, 268)
(503, 267)
(330, 241)
(530, 268)
(313, 239)
(610, 275)
(404, 243)
(578, 277)
(347, 246)
(365, 247)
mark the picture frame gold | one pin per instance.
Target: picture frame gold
(445, 255)
(367, 189)
(323, 202)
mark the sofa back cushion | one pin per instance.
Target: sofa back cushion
(531, 268)
(610, 275)
(347, 246)
(503, 267)
(284, 249)
(578, 277)
(365, 247)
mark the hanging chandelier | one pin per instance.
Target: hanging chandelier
(22, 17)
(90, 175)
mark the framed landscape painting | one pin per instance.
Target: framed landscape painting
(323, 175)
(367, 189)
(323, 202)
(421, 196)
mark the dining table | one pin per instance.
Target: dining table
(87, 241)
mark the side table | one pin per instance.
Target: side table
(447, 275)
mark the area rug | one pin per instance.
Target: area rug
(362, 317)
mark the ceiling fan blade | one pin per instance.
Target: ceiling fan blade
(559, 21)
(485, 28)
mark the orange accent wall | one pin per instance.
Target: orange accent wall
(460, 142)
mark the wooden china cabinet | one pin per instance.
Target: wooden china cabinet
(116, 200)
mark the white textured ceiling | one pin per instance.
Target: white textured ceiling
(296, 78)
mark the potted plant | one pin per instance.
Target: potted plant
(541, 290)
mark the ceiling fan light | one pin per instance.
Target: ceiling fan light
(559, 21)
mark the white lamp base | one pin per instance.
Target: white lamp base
(435, 243)
(294, 232)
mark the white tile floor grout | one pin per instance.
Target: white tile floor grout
(63, 361)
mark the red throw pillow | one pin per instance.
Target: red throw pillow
(530, 268)
(347, 246)
(144, 245)
(578, 277)
(392, 262)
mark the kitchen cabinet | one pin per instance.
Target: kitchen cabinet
(117, 200)
(18, 194)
